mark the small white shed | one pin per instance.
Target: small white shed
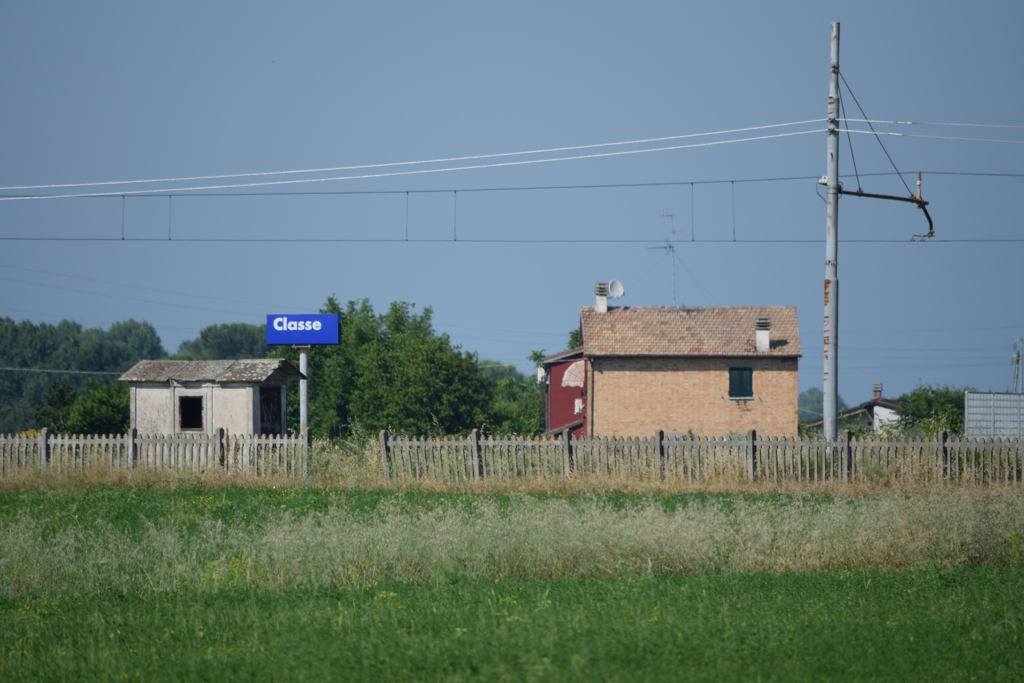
(239, 396)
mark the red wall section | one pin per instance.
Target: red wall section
(561, 400)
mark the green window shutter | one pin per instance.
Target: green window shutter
(741, 382)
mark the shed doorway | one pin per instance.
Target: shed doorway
(270, 411)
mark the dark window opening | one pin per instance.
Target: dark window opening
(270, 411)
(741, 383)
(190, 413)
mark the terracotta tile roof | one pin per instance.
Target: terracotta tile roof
(671, 331)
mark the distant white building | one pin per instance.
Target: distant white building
(239, 396)
(874, 414)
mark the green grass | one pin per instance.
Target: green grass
(306, 583)
(959, 624)
(130, 508)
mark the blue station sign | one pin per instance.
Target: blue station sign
(300, 330)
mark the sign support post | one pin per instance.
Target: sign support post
(303, 388)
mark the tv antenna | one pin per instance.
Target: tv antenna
(671, 249)
(1017, 354)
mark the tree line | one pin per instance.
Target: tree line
(391, 370)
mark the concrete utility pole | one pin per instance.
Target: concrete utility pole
(831, 399)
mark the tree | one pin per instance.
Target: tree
(389, 371)
(931, 409)
(228, 341)
(65, 346)
(574, 338)
(810, 404)
(53, 414)
(103, 409)
(134, 341)
(410, 381)
(517, 401)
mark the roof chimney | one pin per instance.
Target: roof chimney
(601, 290)
(762, 335)
(877, 390)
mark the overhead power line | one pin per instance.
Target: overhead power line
(167, 191)
(62, 372)
(929, 123)
(262, 304)
(523, 188)
(114, 296)
(332, 169)
(549, 150)
(936, 137)
(864, 114)
(461, 240)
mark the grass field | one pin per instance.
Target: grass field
(241, 583)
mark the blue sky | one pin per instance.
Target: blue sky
(104, 92)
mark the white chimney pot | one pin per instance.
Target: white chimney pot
(762, 335)
(601, 290)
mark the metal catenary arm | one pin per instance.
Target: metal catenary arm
(921, 204)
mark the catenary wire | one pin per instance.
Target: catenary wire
(938, 137)
(63, 372)
(534, 188)
(849, 141)
(114, 296)
(101, 323)
(332, 169)
(136, 286)
(929, 123)
(387, 240)
(850, 90)
(171, 191)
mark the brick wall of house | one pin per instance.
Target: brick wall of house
(634, 396)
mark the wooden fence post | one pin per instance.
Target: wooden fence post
(848, 473)
(384, 455)
(44, 448)
(478, 460)
(566, 452)
(659, 438)
(221, 447)
(943, 454)
(752, 455)
(133, 453)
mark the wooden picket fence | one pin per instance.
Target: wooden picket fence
(250, 454)
(696, 460)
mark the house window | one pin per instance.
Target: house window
(190, 413)
(741, 383)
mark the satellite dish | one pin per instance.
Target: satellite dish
(615, 289)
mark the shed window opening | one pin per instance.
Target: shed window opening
(741, 383)
(190, 413)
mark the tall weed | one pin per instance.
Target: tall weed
(529, 538)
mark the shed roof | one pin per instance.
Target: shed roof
(672, 331)
(561, 355)
(253, 371)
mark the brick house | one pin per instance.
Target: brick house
(711, 371)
